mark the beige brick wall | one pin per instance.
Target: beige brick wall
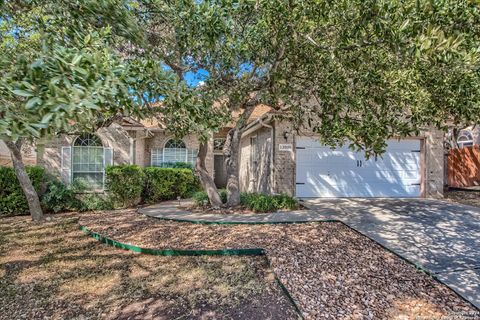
(284, 161)
(432, 157)
(49, 153)
(160, 138)
(434, 163)
(115, 137)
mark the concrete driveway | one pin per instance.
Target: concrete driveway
(439, 236)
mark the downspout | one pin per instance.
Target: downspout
(272, 136)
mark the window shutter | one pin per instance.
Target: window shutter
(108, 156)
(66, 165)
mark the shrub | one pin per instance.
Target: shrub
(168, 183)
(12, 199)
(59, 197)
(200, 198)
(177, 165)
(125, 184)
(265, 203)
(94, 201)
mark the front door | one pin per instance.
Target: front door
(219, 171)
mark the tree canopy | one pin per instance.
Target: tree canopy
(361, 71)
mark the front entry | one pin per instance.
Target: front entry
(219, 171)
(341, 172)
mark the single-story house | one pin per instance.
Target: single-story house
(274, 159)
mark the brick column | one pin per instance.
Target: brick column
(283, 161)
(434, 163)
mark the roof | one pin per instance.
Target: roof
(153, 123)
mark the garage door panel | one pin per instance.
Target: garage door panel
(323, 172)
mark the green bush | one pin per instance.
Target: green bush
(94, 202)
(12, 199)
(253, 201)
(200, 198)
(59, 197)
(168, 183)
(177, 165)
(258, 202)
(125, 184)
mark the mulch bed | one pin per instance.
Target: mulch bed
(330, 270)
(54, 271)
(469, 197)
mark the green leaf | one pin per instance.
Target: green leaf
(46, 118)
(33, 102)
(22, 93)
(77, 59)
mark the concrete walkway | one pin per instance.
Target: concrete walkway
(441, 237)
(171, 210)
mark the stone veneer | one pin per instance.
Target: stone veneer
(125, 151)
(284, 165)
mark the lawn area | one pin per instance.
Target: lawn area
(55, 271)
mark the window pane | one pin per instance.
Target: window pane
(88, 162)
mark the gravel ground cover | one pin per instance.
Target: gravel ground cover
(53, 271)
(470, 197)
(331, 271)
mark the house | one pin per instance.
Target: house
(463, 158)
(274, 159)
(28, 154)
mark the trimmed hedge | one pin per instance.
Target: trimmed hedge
(12, 199)
(168, 184)
(256, 202)
(125, 184)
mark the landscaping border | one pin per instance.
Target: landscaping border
(176, 252)
(251, 251)
(238, 222)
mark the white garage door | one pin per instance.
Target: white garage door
(323, 172)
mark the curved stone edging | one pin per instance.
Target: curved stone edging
(178, 252)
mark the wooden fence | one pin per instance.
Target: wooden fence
(464, 167)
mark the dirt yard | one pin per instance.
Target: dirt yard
(54, 271)
(331, 271)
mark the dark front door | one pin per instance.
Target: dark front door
(219, 171)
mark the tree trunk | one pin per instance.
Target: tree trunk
(232, 152)
(205, 178)
(25, 182)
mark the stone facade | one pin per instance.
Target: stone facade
(283, 165)
(49, 153)
(433, 163)
(271, 168)
(129, 147)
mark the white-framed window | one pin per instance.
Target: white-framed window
(88, 161)
(174, 151)
(465, 139)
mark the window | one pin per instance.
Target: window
(174, 151)
(218, 144)
(465, 139)
(88, 162)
